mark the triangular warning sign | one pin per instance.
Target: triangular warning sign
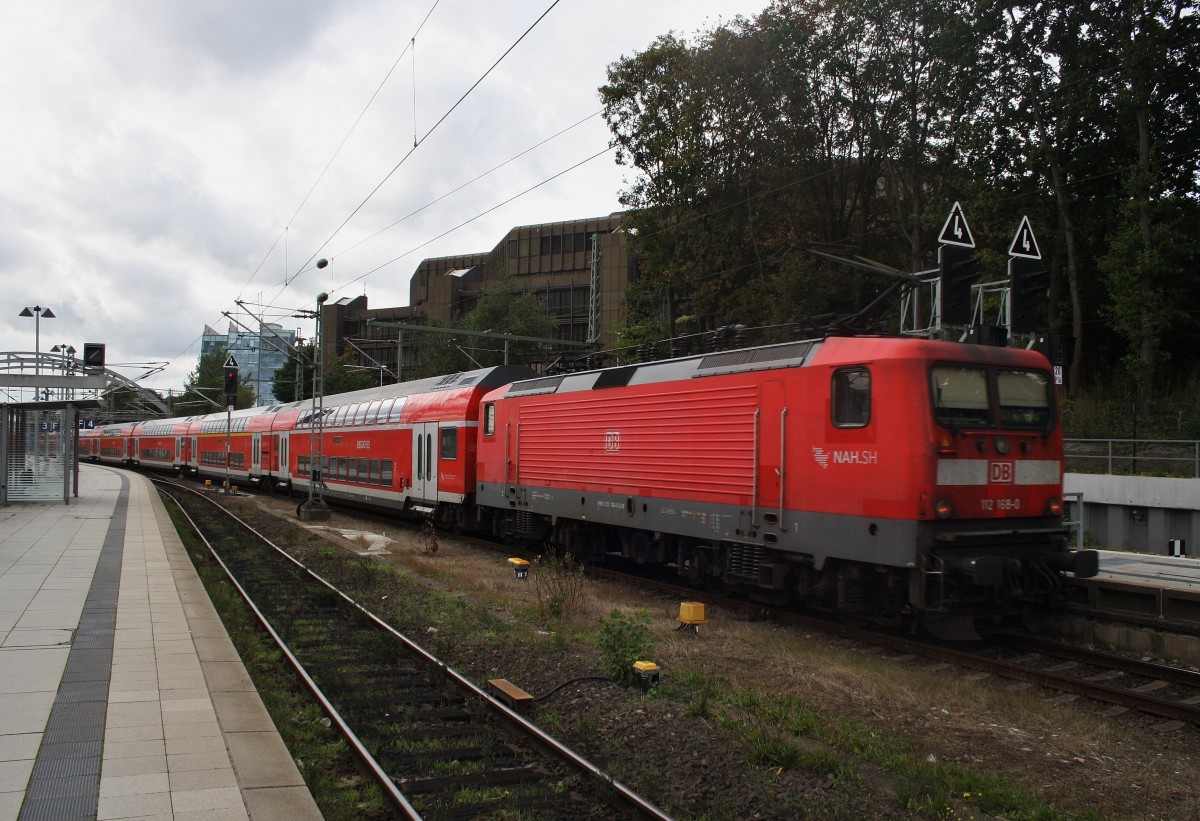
(231, 362)
(956, 231)
(1024, 244)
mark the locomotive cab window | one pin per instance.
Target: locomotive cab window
(489, 419)
(960, 396)
(1024, 398)
(851, 397)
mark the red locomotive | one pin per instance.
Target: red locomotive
(885, 478)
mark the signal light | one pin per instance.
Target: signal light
(1055, 507)
(958, 272)
(1028, 279)
(943, 509)
(93, 357)
(231, 383)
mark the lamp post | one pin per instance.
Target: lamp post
(299, 352)
(315, 508)
(68, 363)
(37, 312)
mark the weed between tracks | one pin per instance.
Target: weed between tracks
(751, 720)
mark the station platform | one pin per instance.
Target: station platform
(121, 695)
(1177, 572)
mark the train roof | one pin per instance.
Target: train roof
(769, 357)
(786, 355)
(482, 378)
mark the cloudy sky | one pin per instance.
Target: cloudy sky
(162, 159)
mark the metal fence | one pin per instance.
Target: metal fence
(1149, 457)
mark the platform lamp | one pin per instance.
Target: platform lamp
(68, 357)
(315, 507)
(37, 312)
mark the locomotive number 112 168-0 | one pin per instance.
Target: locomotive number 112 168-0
(1000, 504)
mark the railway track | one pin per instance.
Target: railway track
(438, 745)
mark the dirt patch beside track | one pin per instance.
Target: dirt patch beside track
(854, 735)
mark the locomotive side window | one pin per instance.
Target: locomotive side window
(489, 419)
(1024, 398)
(851, 397)
(960, 396)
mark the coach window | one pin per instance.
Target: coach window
(851, 397)
(375, 471)
(364, 471)
(373, 411)
(449, 444)
(489, 419)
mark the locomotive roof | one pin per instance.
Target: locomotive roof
(786, 355)
(769, 357)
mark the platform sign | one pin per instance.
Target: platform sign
(956, 231)
(1024, 243)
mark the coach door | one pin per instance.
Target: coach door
(425, 439)
(256, 454)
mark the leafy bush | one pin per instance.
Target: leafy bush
(624, 640)
(558, 582)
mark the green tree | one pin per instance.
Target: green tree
(204, 391)
(504, 309)
(343, 375)
(852, 127)
(284, 380)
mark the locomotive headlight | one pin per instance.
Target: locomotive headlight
(1001, 445)
(943, 509)
(1054, 507)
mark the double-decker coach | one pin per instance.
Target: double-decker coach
(409, 446)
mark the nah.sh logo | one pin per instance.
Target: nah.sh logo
(1000, 473)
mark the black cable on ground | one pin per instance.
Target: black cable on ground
(575, 681)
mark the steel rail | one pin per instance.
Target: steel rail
(384, 780)
(563, 752)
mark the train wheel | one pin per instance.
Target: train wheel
(639, 547)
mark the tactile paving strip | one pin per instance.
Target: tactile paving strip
(65, 784)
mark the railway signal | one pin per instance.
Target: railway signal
(958, 268)
(1028, 279)
(231, 381)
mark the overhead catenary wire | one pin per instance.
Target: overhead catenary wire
(333, 289)
(426, 136)
(349, 132)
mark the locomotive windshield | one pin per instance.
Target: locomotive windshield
(977, 397)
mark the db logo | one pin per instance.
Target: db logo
(1000, 473)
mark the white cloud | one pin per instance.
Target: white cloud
(155, 150)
